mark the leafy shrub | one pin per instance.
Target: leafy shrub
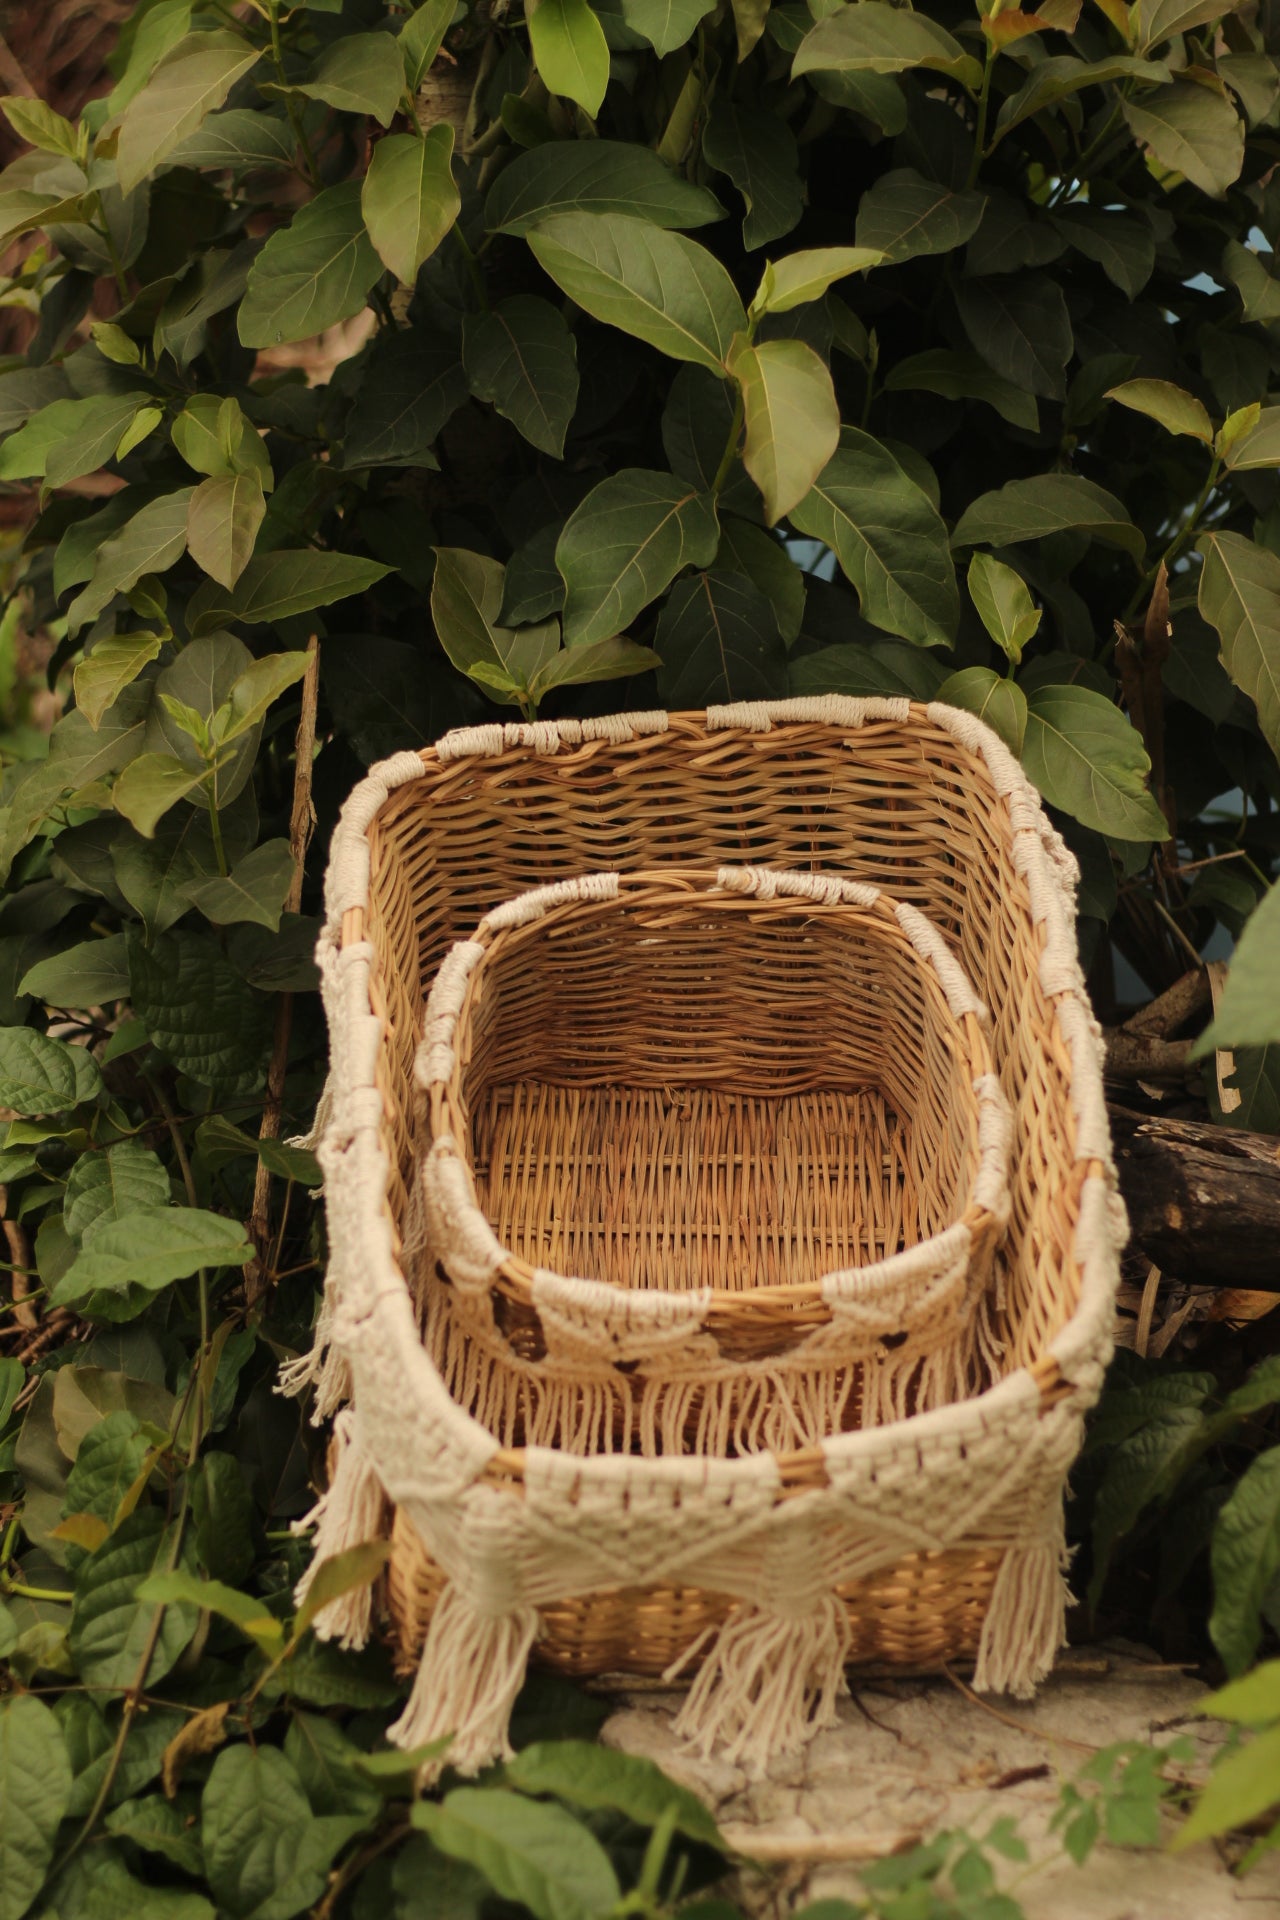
(676, 351)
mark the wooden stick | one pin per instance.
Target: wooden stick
(1204, 1201)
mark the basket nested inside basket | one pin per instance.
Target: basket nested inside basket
(716, 1121)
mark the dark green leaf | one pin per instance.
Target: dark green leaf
(1123, 247)
(1044, 504)
(718, 640)
(868, 37)
(594, 1777)
(904, 215)
(888, 538)
(110, 1628)
(409, 197)
(527, 1851)
(148, 1248)
(765, 561)
(102, 1187)
(599, 177)
(90, 974)
(627, 541)
(191, 80)
(1246, 1559)
(963, 376)
(149, 542)
(198, 1010)
(521, 356)
(758, 152)
(360, 73)
(275, 585)
(1240, 599)
(1020, 327)
(266, 1854)
(656, 285)
(1190, 130)
(255, 890)
(413, 382)
(1086, 758)
(160, 1828)
(35, 1787)
(312, 273)
(792, 419)
(41, 1075)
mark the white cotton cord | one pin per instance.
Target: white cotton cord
(471, 1669)
(347, 1515)
(768, 1683)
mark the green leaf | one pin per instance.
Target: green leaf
(1138, 1473)
(73, 436)
(421, 37)
(255, 891)
(717, 640)
(665, 24)
(1243, 1785)
(537, 1855)
(97, 1885)
(198, 1010)
(149, 786)
(656, 285)
(599, 177)
(266, 1854)
(1000, 702)
(627, 541)
(584, 666)
(764, 559)
(1047, 503)
(1156, 21)
(569, 50)
(1245, 1558)
(213, 436)
(466, 604)
(38, 124)
(149, 1248)
(1257, 446)
(1019, 325)
(758, 152)
(103, 1187)
(1259, 290)
(410, 198)
(1176, 410)
(595, 1777)
(116, 661)
(1123, 247)
(150, 541)
(963, 376)
(1240, 599)
(251, 1616)
(1192, 131)
(792, 419)
(312, 273)
(1004, 605)
(889, 540)
(413, 382)
(342, 1573)
(241, 137)
(40, 1075)
(870, 37)
(521, 356)
(1251, 1702)
(275, 585)
(1062, 74)
(256, 690)
(904, 215)
(157, 1827)
(1248, 1014)
(110, 1627)
(112, 1456)
(330, 1767)
(90, 974)
(801, 277)
(35, 1787)
(360, 73)
(190, 81)
(223, 518)
(1085, 757)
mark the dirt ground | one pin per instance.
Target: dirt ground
(910, 1757)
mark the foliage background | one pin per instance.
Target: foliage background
(379, 367)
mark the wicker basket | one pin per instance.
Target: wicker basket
(934, 1538)
(759, 1106)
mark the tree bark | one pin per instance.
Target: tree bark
(1204, 1202)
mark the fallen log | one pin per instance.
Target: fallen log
(1204, 1201)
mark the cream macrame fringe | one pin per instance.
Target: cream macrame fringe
(769, 1681)
(346, 1515)
(1026, 1620)
(471, 1669)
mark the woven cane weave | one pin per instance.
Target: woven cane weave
(662, 1080)
(808, 1557)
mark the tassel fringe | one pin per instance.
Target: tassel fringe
(348, 1514)
(1026, 1621)
(769, 1682)
(471, 1670)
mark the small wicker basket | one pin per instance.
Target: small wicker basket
(935, 1537)
(760, 1107)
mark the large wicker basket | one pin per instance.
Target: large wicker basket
(758, 1109)
(933, 1538)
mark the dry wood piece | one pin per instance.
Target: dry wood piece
(1204, 1202)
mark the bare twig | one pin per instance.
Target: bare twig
(24, 1309)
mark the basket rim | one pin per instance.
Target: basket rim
(1069, 1369)
(753, 890)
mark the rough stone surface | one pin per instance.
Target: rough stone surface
(910, 1757)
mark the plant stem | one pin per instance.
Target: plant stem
(215, 828)
(1177, 545)
(980, 126)
(730, 446)
(25, 1592)
(299, 132)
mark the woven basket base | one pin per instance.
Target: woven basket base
(683, 1187)
(924, 1611)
